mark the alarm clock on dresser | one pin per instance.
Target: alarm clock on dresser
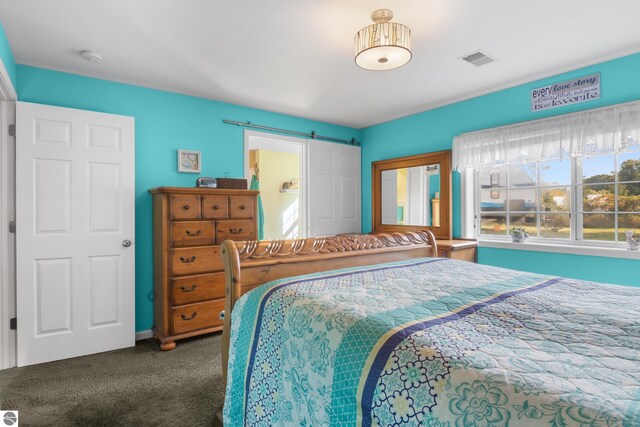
(206, 182)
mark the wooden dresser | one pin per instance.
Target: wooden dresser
(188, 226)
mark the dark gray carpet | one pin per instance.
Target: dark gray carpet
(136, 386)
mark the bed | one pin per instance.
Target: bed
(374, 330)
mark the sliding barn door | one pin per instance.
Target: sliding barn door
(75, 227)
(389, 196)
(416, 203)
(334, 188)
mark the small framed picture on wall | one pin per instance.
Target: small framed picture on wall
(189, 161)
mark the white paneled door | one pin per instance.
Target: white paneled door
(334, 188)
(74, 228)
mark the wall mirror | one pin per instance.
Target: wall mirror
(413, 193)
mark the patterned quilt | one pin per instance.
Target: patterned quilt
(435, 342)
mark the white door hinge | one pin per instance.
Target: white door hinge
(12, 226)
(12, 130)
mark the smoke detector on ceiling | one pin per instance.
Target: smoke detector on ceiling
(91, 56)
(478, 58)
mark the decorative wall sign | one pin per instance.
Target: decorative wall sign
(189, 161)
(569, 92)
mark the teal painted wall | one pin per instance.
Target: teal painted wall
(434, 130)
(7, 56)
(607, 270)
(164, 122)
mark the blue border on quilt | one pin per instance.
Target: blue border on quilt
(307, 278)
(392, 342)
(632, 418)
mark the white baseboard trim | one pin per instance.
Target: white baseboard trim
(144, 335)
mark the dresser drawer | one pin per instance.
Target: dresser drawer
(242, 206)
(215, 207)
(190, 289)
(195, 260)
(193, 233)
(201, 315)
(237, 230)
(184, 206)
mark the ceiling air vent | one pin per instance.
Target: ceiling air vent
(478, 58)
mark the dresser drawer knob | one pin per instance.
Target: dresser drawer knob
(193, 316)
(216, 207)
(243, 207)
(235, 230)
(187, 260)
(186, 207)
(191, 234)
(191, 289)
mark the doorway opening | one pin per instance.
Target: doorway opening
(275, 165)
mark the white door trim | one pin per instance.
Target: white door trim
(7, 213)
(299, 145)
(7, 239)
(7, 91)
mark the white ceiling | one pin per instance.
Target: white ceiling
(296, 56)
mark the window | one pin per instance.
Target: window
(568, 179)
(592, 199)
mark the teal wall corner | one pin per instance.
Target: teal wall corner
(165, 122)
(434, 130)
(6, 55)
(619, 271)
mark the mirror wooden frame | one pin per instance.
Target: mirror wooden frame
(443, 158)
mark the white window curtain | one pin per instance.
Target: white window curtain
(600, 131)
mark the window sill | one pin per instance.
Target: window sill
(610, 252)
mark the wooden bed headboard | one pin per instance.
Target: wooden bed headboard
(252, 263)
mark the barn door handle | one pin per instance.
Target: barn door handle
(187, 260)
(191, 289)
(197, 233)
(235, 230)
(193, 316)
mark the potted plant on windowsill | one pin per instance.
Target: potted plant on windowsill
(518, 234)
(633, 243)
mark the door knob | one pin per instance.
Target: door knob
(126, 243)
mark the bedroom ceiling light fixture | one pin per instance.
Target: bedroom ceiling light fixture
(384, 45)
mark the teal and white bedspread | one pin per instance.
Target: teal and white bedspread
(435, 342)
